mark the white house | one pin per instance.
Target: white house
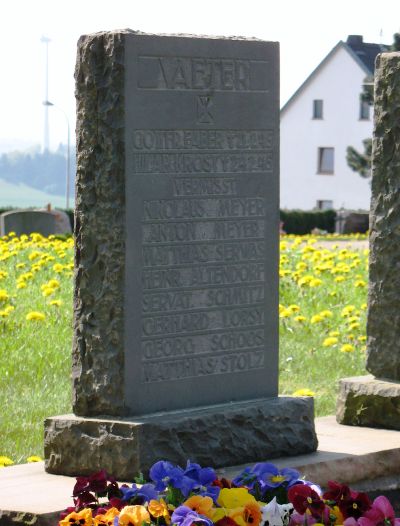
(323, 117)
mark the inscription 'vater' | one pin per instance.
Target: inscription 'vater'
(198, 73)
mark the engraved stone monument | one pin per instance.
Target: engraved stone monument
(175, 350)
(375, 400)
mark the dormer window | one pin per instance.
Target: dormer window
(318, 109)
(364, 110)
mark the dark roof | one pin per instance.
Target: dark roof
(365, 51)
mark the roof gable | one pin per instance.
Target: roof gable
(363, 53)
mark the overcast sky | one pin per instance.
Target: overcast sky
(307, 30)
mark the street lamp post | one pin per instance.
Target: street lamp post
(67, 175)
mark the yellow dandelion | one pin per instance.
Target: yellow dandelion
(303, 392)
(339, 279)
(294, 308)
(4, 295)
(315, 282)
(286, 313)
(326, 314)
(20, 265)
(35, 316)
(347, 347)
(364, 306)
(317, 318)
(329, 342)
(56, 303)
(21, 285)
(300, 319)
(48, 291)
(6, 461)
(34, 458)
(346, 311)
(334, 334)
(360, 283)
(57, 267)
(362, 338)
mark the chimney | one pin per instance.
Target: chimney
(354, 40)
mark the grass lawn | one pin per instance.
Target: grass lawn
(322, 329)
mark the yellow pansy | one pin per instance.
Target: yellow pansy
(134, 515)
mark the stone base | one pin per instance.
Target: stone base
(368, 401)
(220, 435)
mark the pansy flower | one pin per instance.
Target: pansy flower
(138, 494)
(80, 518)
(355, 505)
(184, 516)
(132, 516)
(305, 499)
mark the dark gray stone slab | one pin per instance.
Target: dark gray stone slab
(219, 436)
(27, 222)
(177, 223)
(383, 322)
(368, 401)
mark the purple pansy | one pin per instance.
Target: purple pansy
(184, 516)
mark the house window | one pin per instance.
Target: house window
(325, 160)
(324, 204)
(364, 110)
(317, 109)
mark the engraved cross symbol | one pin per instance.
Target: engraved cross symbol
(204, 116)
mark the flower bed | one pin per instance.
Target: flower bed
(261, 495)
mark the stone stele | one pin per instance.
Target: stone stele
(365, 400)
(175, 351)
(27, 222)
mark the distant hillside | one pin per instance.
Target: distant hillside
(44, 171)
(23, 196)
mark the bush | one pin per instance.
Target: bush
(303, 222)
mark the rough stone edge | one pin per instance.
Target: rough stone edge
(13, 518)
(383, 351)
(182, 35)
(211, 436)
(367, 401)
(98, 346)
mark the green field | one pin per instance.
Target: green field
(322, 329)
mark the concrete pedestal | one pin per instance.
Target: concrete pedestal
(220, 435)
(369, 401)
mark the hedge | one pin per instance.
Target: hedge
(303, 222)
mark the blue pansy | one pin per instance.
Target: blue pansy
(203, 479)
(141, 494)
(246, 478)
(267, 475)
(184, 516)
(165, 474)
(270, 476)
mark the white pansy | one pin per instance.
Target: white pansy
(274, 514)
